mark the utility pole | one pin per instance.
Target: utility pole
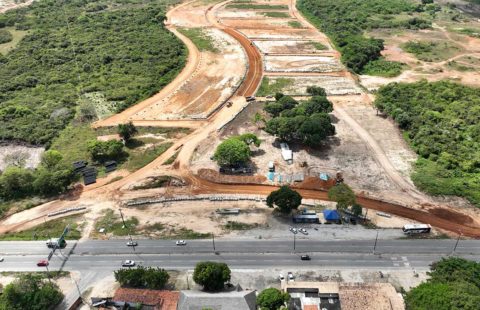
(294, 241)
(213, 241)
(456, 243)
(375, 245)
(128, 228)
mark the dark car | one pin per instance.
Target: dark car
(42, 263)
(305, 257)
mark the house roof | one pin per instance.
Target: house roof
(310, 307)
(162, 300)
(197, 300)
(331, 215)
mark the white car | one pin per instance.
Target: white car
(291, 277)
(1, 259)
(293, 230)
(128, 263)
(181, 242)
(304, 231)
(132, 243)
(281, 277)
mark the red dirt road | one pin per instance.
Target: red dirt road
(442, 218)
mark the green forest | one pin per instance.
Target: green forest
(119, 48)
(454, 283)
(345, 22)
(441, 122)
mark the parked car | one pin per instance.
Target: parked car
(1, 259)
(290, 276)
(128, 263)
(281, 277)
(42, 263)
(293, 230)
(181, 242)
(269, 97)
(229, 104)
(132, 243)
(304, 231)
(305, 257)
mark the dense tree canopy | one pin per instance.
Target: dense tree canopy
(106, 150)
(345, 21)
(440, 120)
(454, 284)
(211, 275)
(142, 277)
(285, 198)
(30, 292)
(272, 299)
(306, 122)
(120, 49)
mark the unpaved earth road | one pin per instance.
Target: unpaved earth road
(111, 195)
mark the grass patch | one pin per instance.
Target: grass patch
(171, 159)
(270, 87)
(14, 206)
(154, 182)
(257, 6)
(382, 67)
(276, 14)
(233, 225)
(138, 159)
(200, 38)
(188, 234)
(17, 36)
(153, 228)
(53, 274)
(454, 65)
(295, 24)
(170, 132)
(469, 32)
(112, 223)
(431, 51)
(318, 46)
(80, 134)
(50, 229)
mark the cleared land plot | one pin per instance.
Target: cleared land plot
(291, 47)
(334, 85)
(301, 64)
(265, 23)
(281, 34)
(215, 79)
(17, 36)
(190, 16)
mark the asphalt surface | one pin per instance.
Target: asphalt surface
(238, 254)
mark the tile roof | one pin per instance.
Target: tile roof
(161, 299)
(310, 307)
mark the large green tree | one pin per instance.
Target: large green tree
(316, 129)
(142, 277)
(127, 131)
(211, 275)
(272, 299)
(285, 199)
(343, 195)
(16, 182)
(232, 151)
(30, 292)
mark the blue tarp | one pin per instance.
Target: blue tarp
(270, 176)
(331, 215)
(323, 176)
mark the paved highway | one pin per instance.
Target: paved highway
(239, 254)
(424, 246)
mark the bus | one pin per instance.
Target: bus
(410, 229)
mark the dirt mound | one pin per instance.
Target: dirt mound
(215, 177)
(315, 183)
(451, 215)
